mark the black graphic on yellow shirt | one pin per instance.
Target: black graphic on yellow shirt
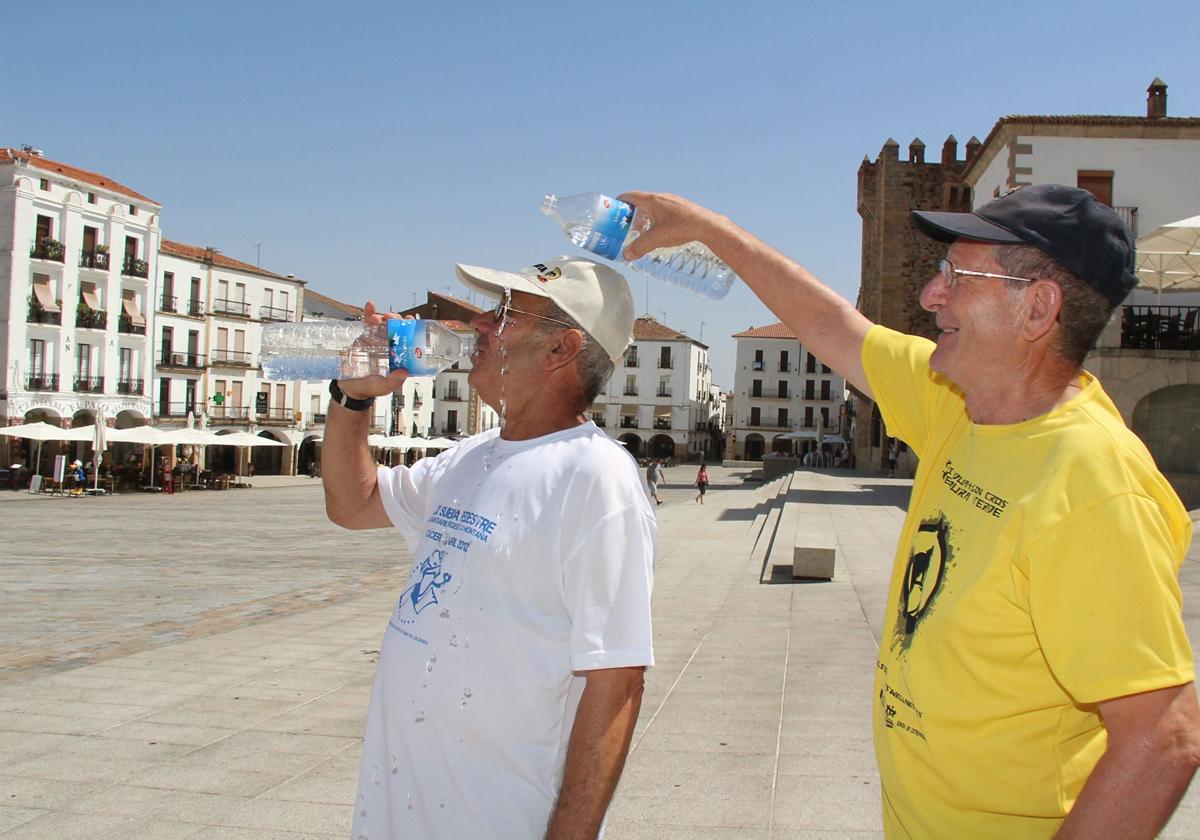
(928, 559)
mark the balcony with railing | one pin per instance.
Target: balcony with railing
(48, 249)
(134, 267)
(233, 308)
(89, 384)
(631, 360)
(631, 391)
(662, 423)
(41, 382)
(176, 409)
(663, 391)
(274, 313)
(229, 358)
(90, 319)
(275, 415)
(131, 386)
(1160, 327)
(38, 315)
(452, 396)
(195, 308)
(1129, 215)
(181, 360)
(125, 324)
(318, 418)
(167, 303)
(666, 364)
(228, 413)
(94, 259)
(628, 421)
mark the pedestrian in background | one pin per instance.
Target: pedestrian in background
(701, 482)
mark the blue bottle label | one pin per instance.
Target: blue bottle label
(407, 347)
(613, 219)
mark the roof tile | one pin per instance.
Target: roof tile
(74, 172)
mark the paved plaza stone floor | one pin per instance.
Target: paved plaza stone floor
(199, 666)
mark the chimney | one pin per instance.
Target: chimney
(1156, 99)
(949, 151)
(916, 151)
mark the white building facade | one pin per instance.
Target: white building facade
(784, 398)
(78, 252)
(659, 401)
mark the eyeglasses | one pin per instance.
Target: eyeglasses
(503, 308)
(951, 274)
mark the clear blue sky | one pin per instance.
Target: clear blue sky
(370, 146)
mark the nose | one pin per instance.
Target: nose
(934, 293)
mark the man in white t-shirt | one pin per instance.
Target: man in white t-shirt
(510, 674)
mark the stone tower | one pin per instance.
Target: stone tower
(896, 259)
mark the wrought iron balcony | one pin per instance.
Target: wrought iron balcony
(631, 360)
(135, 267)
(176, 409)
(1129, 215)
(666, 364)
(274, 313)
(130, 386)
(125, 324)
(628, 422)
(48, 249)
(37, 315)
(662, 422)
(167, 304)
(631, 391)
(94, 259)
(228, 413)
(236, 308)
(41, 382)
(663, 391)
(90, 319)
(275, 415)
(89, 384)
(195, 308)
(229, 358)
(183, 360)
(1160, 327)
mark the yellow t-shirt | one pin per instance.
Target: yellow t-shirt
(1035, 576)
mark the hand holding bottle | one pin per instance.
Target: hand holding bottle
(673, 220)
(374, 384)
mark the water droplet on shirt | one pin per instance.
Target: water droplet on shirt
(429, 664)
(420, 718)
(410, 801)
(454, 640)
(466, 641)
(445, 613)
(395, 769)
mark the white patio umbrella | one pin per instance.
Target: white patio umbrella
(36, 431)
(440, 443)
(146, 436)
(99, 444)
(1168, 258)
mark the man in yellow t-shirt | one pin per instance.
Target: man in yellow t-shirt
(1034, 678)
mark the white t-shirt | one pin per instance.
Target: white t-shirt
(531, 560)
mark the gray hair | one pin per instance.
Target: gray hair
(595, 366)
(1084, 313)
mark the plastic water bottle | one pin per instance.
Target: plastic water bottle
(315, 350)
(603, 225)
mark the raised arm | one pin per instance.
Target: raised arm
(347, 468)
(825, 322)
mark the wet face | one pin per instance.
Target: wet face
(505, 362)
(978, 319)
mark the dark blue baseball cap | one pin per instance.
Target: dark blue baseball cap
(1084, 236)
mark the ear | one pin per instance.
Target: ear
(1045, 304)
(563, 349)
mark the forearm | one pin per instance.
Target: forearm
(600, 737)
(1145, 771)
(348, 471)
(827, 324)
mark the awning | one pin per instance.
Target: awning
(45, 298)
(129, 304)
(87, 291)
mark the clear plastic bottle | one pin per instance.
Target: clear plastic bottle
(315, 350)
(602, 225)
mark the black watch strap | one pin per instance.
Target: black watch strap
(344, 401)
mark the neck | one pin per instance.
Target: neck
(541, 415)
(1021, 400)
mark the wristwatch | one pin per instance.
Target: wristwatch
(344, 401)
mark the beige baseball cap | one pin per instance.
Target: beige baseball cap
(596, 296)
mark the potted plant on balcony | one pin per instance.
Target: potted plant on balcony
(101, 249)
